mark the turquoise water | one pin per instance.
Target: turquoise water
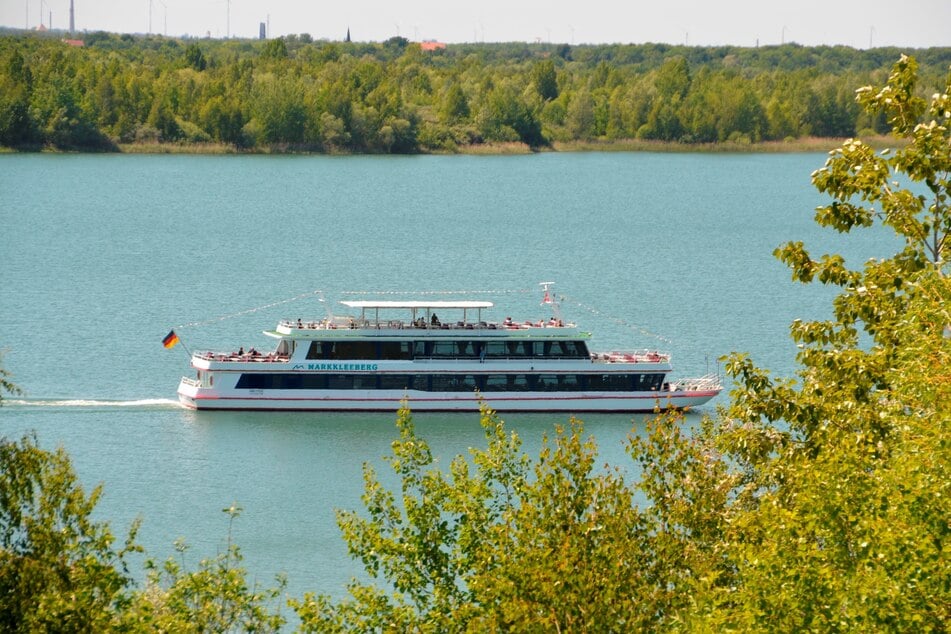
(102, 255)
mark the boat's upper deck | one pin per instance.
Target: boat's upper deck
(376, 319)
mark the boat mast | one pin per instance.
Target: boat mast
(549, 299)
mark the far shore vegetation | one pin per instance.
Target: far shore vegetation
(106, 92)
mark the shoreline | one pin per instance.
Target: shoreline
(791, 146)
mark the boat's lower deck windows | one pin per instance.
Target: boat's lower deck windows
(453, 382)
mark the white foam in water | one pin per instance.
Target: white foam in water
(145, 402)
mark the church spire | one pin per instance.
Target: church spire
(348, 35)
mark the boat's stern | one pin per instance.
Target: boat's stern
(188, 392)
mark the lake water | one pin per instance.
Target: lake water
(102, 255)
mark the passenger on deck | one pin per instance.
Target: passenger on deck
(507, 321)
(241, 351)
(300, 324)
(435, 320)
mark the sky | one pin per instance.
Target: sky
(856, 23)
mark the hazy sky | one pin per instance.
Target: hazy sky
(857, 23)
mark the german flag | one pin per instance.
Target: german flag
(170, 339)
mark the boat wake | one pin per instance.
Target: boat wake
(151, 403)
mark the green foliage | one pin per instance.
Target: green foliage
(59, 571)
(395, 97)
(215, 597)
(274, 49)
(544, 79)
(846, 473)
(6, 385)
(194, 57)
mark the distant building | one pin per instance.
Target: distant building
(431, 45)
(78, 43)
(262, 31)
(348, 35)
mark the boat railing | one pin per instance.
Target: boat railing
(708, 382)
(420, 324)
(244, 357)
(633, 356)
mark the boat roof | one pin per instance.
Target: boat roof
(373, 303)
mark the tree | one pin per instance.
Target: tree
(215, 597)
(274, 49)
(544, 79)
(59, 571)
(845, 474)
(455, 106)
(6, 385)
(16, 126)
(194, 57)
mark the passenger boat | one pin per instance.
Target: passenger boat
(390, 351)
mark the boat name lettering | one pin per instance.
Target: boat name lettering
(341, 367)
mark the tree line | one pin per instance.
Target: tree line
(298, 94)
(818, 502)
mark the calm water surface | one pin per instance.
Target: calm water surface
(102, 255)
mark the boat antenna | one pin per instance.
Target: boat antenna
(550, 300)
(323, 300)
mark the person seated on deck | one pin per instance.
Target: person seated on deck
(507, 321)
(241, 351)
(435, 320)
(253, 352)
(299, 323)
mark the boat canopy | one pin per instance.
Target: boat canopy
(428, 306)
(416, 305)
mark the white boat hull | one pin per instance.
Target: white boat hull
(390, 401)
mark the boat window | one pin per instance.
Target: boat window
(314, 382)
(340, 381)
(518, 382)
(396, 350)
(579, 349)
(354, 350)
(646, 382)
(423, 349)
(453, 383)
(563, 349)
(467, 349)
(610, 382)
(546, 383)
(496, 349)
(445, 349)
(365, 381)
(569, 382)
(320, 350)
(396, 382)
(252, 382)
(495, 383)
